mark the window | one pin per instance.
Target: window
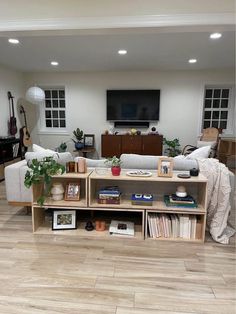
(218, 108)
(54, 115)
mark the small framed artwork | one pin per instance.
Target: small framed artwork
(89, 140)
(72, 191)
(64, 219)
(165, 167)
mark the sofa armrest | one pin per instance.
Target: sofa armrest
(14, 181)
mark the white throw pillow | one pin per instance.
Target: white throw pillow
(205, 143)
(202, 152)
(39, 149)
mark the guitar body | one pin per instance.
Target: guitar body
(12, 126)
(25, 138)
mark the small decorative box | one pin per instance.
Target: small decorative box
(142, 199)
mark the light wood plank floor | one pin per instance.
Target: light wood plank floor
(65, 274)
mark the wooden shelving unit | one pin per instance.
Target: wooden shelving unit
(158, 186)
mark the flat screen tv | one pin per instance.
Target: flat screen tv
(133, 105)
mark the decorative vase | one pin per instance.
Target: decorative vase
(115, 170)
(79, 145)
(57, 191)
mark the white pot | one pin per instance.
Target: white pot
(57, 191)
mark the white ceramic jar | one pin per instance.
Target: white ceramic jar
(57, 191)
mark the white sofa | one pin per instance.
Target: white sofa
(17, 192)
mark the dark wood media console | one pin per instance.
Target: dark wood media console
(115, 145)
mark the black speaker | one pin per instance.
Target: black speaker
(137, 124)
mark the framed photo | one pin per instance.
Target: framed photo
(64, 219)
(89, 140)
(165, 167)
(72, 191)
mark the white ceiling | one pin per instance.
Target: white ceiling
(147, 50)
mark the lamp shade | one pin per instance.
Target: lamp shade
(35, 95)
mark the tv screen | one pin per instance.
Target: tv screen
(133, 105)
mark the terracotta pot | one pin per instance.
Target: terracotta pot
(115, 170)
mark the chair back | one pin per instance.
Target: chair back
(210, 134)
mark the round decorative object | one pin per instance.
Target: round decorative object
(153, 129)
(57, 191)
(133, 131)
(89, 226)
(35, 95)
(138, 132)
(194, 172)
(181, 191)
(139, 173)
(183, 176)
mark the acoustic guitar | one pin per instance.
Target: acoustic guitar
(12, 121)
(25, 137)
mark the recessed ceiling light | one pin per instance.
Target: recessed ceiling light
(122, 52)
(192, 60)
(13, 41)
(54, 63)
(215, 35)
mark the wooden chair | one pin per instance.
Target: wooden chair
(208, 135)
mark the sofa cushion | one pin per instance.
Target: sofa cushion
(61, 158)
(134, 161)
(93, 163)
(183, 163)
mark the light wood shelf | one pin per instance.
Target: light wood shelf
(92, 182)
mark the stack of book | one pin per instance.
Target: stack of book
(175, 201)
(109, 195)
(173, 226)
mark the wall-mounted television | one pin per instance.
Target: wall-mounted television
(133, 105)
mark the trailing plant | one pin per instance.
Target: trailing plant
(78, 134)
(41, 172)
(113, 161)
(173, 147)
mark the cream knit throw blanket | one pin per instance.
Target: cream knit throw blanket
(218, 198)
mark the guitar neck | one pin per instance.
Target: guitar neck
(12, 105)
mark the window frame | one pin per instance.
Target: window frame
(229, 131)
(42, 120)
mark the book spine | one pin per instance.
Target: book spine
(108, 201)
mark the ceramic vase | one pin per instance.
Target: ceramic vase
(57, 191)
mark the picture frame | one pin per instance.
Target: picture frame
(64, 219)
(72, 192)
(165, 167)
(89, 140)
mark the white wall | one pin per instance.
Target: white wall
(180, 104)
(12, 81)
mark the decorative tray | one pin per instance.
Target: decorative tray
(139, 173)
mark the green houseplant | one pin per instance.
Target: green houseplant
(40, 173)
(79, 135)
(115, 163)
(173, 147)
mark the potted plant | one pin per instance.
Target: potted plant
(41, 173)
(61, 148)
(115, 163)
(172, 147)
(79, 135)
